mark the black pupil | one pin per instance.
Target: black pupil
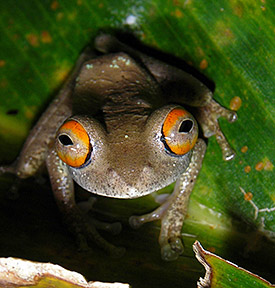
(65, 140)
(186, 126)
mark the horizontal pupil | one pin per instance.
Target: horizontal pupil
(65, 140)
(186, 126)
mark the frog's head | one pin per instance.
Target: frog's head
(131, 159)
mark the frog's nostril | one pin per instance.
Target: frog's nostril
(186, 126)
(65, 140)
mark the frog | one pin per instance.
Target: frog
(119, 128)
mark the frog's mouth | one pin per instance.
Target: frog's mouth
(132, 182)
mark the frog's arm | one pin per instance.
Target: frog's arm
(173, 212)
(79, 223)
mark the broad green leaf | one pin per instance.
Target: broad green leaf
(222, 273)
(232, 206)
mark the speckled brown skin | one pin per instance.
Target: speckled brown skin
(122, 102)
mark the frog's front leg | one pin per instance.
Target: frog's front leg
(173, 212)
(208, 116)
(77, 221)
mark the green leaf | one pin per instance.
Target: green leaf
(232, 206)
(222, 273)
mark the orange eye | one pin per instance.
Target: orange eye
(73, 144)
(180, 131)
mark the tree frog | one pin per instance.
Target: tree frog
(119, 128)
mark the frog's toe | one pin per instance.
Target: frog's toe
(227, 152)
(94, 237)
(230, 115)
(113, 228)
(87, 206)
(208, 118)
(8, 169)
(176, 245)
(2, 170)
(86, 231)
(172, 249)
(83, 246)
(168, 254)
(135, 222)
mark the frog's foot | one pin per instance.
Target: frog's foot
(112, 228)
(170, 238)
(208, 116)
(85, 231)
(86, 206)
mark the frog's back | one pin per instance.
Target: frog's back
(115, 84)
